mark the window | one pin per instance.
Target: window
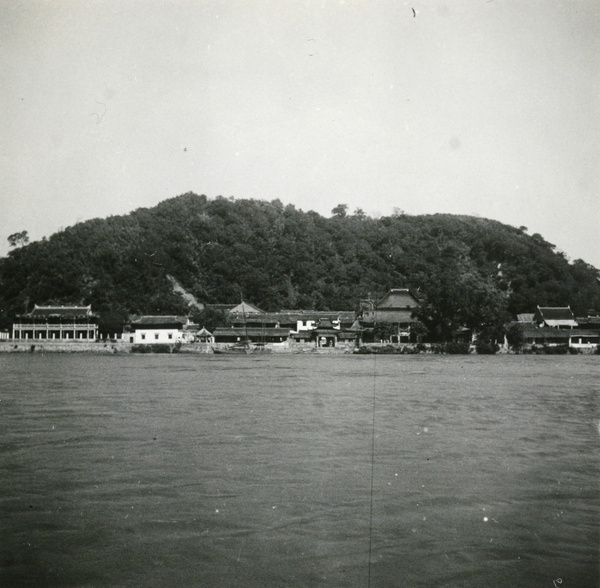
(143, 337)
(170, 335)
(156, 335)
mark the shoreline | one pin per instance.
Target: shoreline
(91, 347)
(124, 348)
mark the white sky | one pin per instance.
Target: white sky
(486, 107)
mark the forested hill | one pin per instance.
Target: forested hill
(467, 270)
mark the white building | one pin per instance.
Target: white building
(153, 330)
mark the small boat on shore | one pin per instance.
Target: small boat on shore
(241, 349)
(244, 347)
(237, 349)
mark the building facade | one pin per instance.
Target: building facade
(57, 323)
(156, 330)
(394, 311)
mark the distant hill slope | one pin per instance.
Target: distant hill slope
(464, 268)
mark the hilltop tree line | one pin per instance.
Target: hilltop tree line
(466, 271)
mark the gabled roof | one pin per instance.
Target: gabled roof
(398, 298)
(554, 316)
(246, 308)
(204, 332)
(70, 311)
(556, 312)
(525, 317)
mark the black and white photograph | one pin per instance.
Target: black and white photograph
(300, 293)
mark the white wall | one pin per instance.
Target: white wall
(154, 336)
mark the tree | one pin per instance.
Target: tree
(385, 331)
(456, 296)
(112, 322)
(18, 239)
(515, 336)
(417, 331)
(211, 318)
(486, 341)
(217, 247)
(340, 210)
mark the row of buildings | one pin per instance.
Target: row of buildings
(246, 322)
(553, 326)
(390, 318)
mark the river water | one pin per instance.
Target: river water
(299, 470)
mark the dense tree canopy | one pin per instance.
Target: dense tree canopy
(468, 271)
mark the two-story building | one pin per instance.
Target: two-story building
(395, 311)
(56, 323)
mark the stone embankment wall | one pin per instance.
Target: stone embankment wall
(195, 348)
(102, 347)
(97, 347)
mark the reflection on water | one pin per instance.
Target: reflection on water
(262, 471)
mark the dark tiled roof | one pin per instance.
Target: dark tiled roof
(389, 316)
(584, 332)
(246, 308)
(525, 317)
(552, 333)
(317, 314)
(398, 298)
(292, 317)
(549, 332)
(251, 332)
(556, 313)
(589, 320)
(61, 311)
(159, 320)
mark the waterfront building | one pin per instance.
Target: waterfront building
(204, 336)
(248, 322)
(557, 317)
(60, 323)
(250, 334)
(152, 330)
(394, 311)
(580, 339)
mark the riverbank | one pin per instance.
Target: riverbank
(93, 347)
(121, 347)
